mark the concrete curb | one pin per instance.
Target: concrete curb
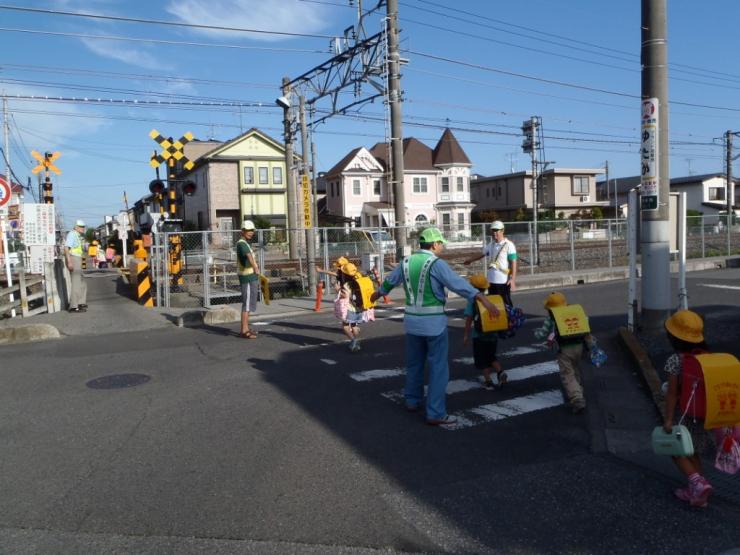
(28, 334)
(642, 360)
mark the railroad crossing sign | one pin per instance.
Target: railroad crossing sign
(46, 162)
(4, 192)
(171, 149)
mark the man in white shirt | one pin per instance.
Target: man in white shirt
(502, 266)
(74, 251)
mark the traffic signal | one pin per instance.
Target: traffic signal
(48, 196)
(189, 188)
(157, 187)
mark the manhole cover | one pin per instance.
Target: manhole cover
(118, 381)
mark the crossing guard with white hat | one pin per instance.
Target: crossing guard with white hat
(74, 252)
(503, 262)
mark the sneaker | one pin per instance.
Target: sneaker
(684, 494)
(488, 384)
(700, 492)
(357, 346)
(441, 421)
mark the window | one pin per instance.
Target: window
(716, 193)
(488, 192)
(460, 184)
(445, 184)
(499, 190)
(356, 187)
(445, 220)
(420, 184)
(376, 187)
(461, 219)
(248, 175)
(580, 184)
(277, 175)
(339, 189)
(263, 176)
(421, 219)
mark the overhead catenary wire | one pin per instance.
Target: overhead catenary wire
(161, 22)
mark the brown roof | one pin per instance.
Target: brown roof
(416, 155)
(448, 151)
(339, 166)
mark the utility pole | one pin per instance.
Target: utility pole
(730, 189)
(531, 145)
(9, 181)
(306, 180)
(394, 99)
(290, 181)
(655, 182)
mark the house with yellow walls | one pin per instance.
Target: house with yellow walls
(235, 181)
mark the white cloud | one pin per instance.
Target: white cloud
(122, 52)
(291, 16)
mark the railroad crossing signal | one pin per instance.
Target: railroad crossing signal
(171, 149)
(46, 162)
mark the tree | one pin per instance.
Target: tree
(521, 215)
(261, 223)
(597, 213)
(89, 235)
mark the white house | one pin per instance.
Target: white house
(436, 186)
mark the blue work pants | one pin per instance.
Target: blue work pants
(419, 349)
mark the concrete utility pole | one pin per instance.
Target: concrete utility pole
(730, 189)
(656, 283)
(290, 182)
(308, 224)
(394, 99)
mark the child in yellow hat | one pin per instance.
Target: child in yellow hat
(485, 344)
(685, 331)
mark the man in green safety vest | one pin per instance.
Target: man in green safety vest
(249, 275)
(73, 251)
(425, 277)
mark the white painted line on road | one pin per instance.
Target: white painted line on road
(506, 409)
(369, 375)
(460, 386)
(328, 361)
(261, 323)
(516, 351)
(734, 287)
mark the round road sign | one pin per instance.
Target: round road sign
(4, 192)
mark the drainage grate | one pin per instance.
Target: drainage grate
(118, 381)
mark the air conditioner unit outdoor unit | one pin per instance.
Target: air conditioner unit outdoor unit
(585, 198)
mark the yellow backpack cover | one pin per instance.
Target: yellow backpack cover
(483, 323)
(362, 289)
(571, 321)
(722, 389)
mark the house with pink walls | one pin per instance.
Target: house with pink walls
(436, 186)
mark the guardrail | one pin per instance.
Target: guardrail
(21, 298)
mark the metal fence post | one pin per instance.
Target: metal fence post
(206, 277)
(609, 235)
(729, 234)
(531, 248)
(166, 260)
(702, 236)
(325, 232)
(572, 247)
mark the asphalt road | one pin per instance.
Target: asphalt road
(292, 444)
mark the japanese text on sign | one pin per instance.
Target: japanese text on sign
(650, 172)
(306, 186)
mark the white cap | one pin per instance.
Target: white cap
(498, 224)
(79, 223)
(248, 225)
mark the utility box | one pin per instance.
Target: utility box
(369, 262)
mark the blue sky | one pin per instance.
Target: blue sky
(105, 149)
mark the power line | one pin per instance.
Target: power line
(140, 102)
(560, 83)
(160, 41)
(162, 22)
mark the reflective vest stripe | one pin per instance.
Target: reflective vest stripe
(423, 302)
(77, 249)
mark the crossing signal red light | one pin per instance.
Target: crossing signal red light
(189, 188)
(157, 187)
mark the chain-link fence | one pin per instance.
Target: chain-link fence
(198, 269)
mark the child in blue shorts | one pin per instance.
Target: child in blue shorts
(484, 343)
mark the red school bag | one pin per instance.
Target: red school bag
(693, 399)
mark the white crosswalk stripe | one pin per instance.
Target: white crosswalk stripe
(488, 412)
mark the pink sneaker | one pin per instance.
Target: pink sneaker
(700, 493)
(684, 494)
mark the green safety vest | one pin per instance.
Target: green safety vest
(77, 249)
(241, 269)
(417, 283)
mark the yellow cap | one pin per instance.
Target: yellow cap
(350, 269)
(686, 325)
(479, 281)
(556, 298)
(339, 262)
